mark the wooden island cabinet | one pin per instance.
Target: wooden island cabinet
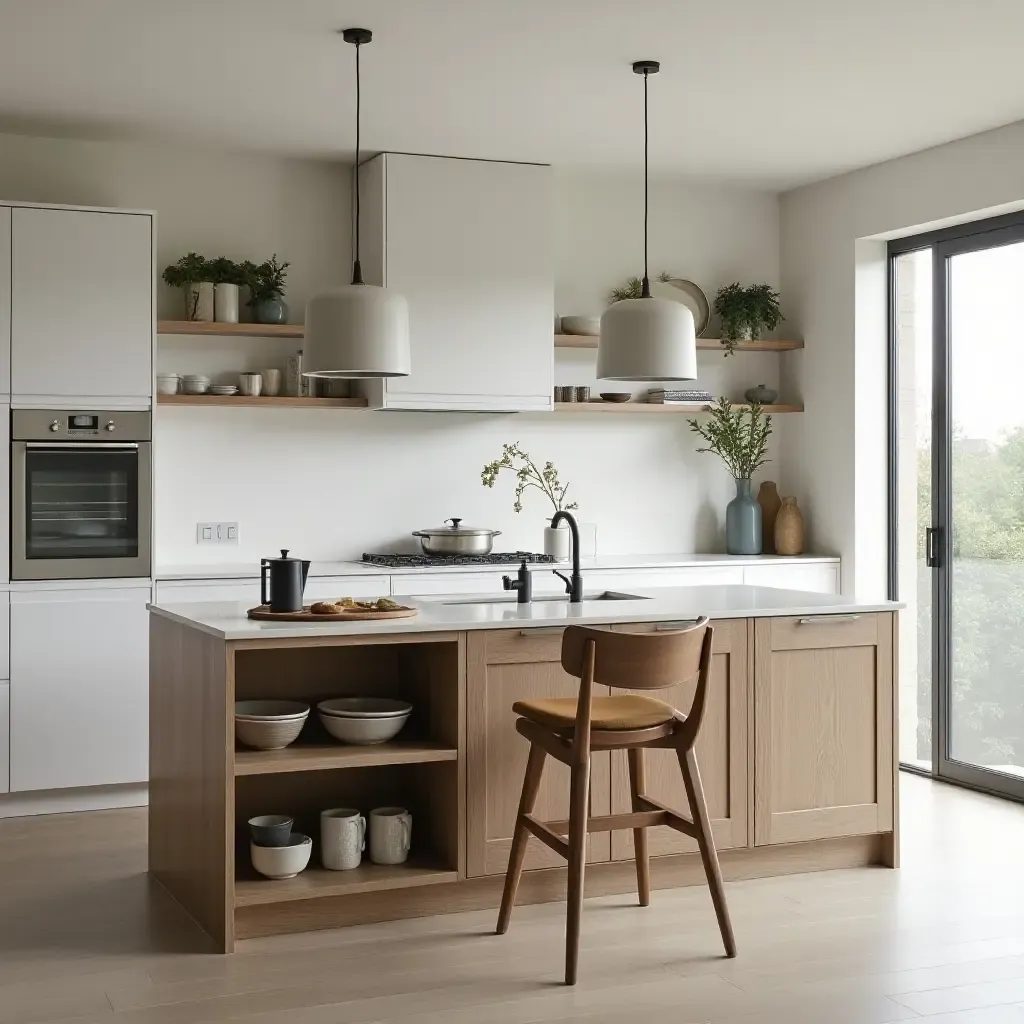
(796, 753)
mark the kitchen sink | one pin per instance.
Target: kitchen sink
(605, 595)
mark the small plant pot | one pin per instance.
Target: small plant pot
(271, 311)
(225, 303)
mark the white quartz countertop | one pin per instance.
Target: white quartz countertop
(251, 570)
(228, 620)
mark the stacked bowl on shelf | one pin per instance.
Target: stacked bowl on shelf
(364, 720)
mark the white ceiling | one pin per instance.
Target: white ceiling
(771, 92)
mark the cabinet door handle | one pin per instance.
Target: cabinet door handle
(826, 620)
(541, 631)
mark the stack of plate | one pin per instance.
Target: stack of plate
(195, 384)
(223, 389)
(364, 720)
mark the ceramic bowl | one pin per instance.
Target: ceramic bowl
(365, 707)
(167, 383)
(269, 724)
(282, 861)
(585, 325)
(364, 731)
(270, 829)
(616, 396)
(761, 394)
(194, 387)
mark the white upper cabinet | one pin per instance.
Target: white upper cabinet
(5, 300)
(468, 243)
(81, 307)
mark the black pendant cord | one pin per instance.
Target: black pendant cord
(357, 270)
(645, 290)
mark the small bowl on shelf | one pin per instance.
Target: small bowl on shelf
(167, 383)
(269, 724)
(618, 397)
(195, 384)
(364, 721)
(270, 829)
(282, 861)
(588, 326)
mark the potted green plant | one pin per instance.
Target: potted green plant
(746, 312)
(740, 439)
(528, 474)
(266, 290)
(226, 276)
(633, 288)
(192, 275)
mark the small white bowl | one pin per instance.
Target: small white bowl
(364, 731)
(282, 861)
(191, 387)
(270, 710)
(589, 326)
(269, 724)
(167, 385)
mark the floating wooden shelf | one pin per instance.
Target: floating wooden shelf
(323, 756)
(263, 401)
(651, 407)
(703, 344)
(252, 889)
(230, 330)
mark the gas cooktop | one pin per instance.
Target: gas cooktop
(431, 561)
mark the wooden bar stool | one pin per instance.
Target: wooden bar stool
(569, 729)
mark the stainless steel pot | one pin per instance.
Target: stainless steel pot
(456, 539)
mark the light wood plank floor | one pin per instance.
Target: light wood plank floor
(85, 937)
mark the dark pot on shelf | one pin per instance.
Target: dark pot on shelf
(271, 311)
(761, 394)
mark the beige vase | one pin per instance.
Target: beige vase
(789, 529)
(770, 502)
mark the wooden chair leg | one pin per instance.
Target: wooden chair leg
(520, 837)
(578, 806)
(706, 841)
(637, 784)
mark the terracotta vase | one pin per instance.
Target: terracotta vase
(789, 529)
(770, 502)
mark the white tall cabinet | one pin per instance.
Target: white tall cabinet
(79, 687)
(468, 243)
(81, 307)
(5, 301)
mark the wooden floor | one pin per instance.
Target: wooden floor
(84, 936)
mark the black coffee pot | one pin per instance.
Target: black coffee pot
(282, 581)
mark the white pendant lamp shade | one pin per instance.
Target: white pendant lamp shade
(357, 330)
(648, 340)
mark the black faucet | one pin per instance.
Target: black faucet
(573, 586)
(523, 585)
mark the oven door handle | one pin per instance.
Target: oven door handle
(100, 446)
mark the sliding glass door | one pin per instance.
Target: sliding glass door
(959, 560)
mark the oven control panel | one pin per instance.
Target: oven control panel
(60, 424)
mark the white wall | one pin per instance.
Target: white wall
(833, 282)
(332, 484)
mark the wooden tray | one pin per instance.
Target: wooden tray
(263, 613)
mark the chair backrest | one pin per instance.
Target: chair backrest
(641, 661)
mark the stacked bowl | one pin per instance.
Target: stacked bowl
(277, 851)
(195, 384)
(364, 720)
(269, 724)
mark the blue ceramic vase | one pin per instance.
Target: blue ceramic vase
(743, 522)
(271, 311)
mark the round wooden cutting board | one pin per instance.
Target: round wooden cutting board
(264, 614)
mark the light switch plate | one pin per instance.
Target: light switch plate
(216, 533)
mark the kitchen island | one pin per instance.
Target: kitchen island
(797, 749)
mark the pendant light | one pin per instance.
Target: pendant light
(647, 339)
(357, 330)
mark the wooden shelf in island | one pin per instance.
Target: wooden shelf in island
(652, 407)
(314, 757)
(205, 327)
(703, 344)
(253, 890)
(263, 401)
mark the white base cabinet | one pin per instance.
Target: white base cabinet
(79, 703)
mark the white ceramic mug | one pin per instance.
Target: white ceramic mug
(342, 838)
(390, 835)
(271, 381)
(250, 384)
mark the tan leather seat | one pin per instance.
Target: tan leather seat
(623, 711)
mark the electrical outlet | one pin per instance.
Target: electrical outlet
(216, 533)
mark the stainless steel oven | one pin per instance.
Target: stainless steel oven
(81, 494)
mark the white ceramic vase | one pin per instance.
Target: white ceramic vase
(199, 301)
(557, 541)
(225, 303)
